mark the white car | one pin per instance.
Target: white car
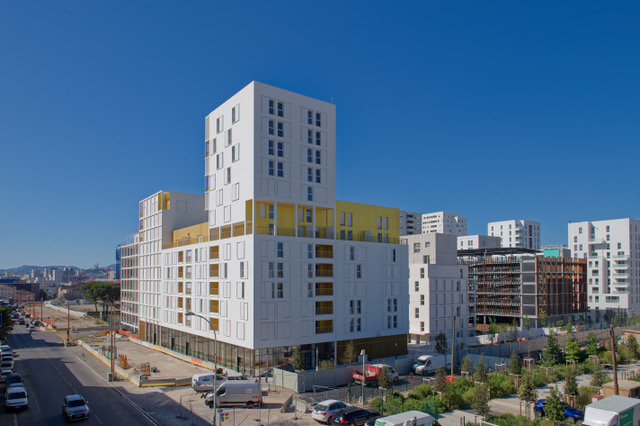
(75, 407)
(4, 373)
(15, 398)
(328, 410)
(6, 363)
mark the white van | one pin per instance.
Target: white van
(414, 418)
(236, 392)
(426, 364)
(203, 382)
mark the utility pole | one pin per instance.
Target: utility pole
(113, 342)
(453, 346)
(613, 356)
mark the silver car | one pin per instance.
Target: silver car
(16, 398)
(74, 407)
(326, 411)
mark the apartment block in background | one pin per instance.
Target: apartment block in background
(267, 254)
(515, 285)
(444, 223)
(516, 233)
(410, 223)
(612, 251)
(438, 288)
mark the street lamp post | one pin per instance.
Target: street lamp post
(215, 361)
(363, 354)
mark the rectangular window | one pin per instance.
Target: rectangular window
(235, 114)
(272, 127)
(310, 136)
(235, 152)
(280, 169)
(229, 138)
(271, 106)
(309, 289)
(271, 269)
(219, 125)
(280, 270)
(317, 175)
(342, 218)
(219, 161)
(280, 109)
(271, 144)
(279, 250)
(309, 215)
(309, 117)
(352, 253)
(280, 149)
(417, 314)
(271, 211)
(417, 285)
(379, 222)
(227, 176)
(309, 193)
(422, 299)
(280, 129)
(421, 272)
(349, 219)
(280, 291)
(318, 119)
(358, 271)
(309, 174)
(309, 155)
(416, 247)
(318, 139)
(271, 170)
(309, 251)
(386, 223)
(318, 157)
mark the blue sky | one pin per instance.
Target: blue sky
(496, 110)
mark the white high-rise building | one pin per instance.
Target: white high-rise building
(277, 262)
(438, 288)
(612, 250)
(410, 223)
(444, 223)
(516, 233)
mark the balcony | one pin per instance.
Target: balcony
(596, 241)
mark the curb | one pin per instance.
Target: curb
(108, 363)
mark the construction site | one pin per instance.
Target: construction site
(530, 290)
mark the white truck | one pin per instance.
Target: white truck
(613, 410)
(413, 418)
(426, 364)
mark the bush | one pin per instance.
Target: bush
(501, 386)
(421, 392)
(376, 404)
(585, 393)
(510, 420)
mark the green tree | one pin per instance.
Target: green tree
(543, 317)
(597, 315)
(553, 409)
(514, 364)
(101, 291)
(384, 380)
(327, 364)
(441, 343)
(592, 345)
(481, 400)
(467, 364)
(572, 349)
(616, 320)
(599, 377)
(551, 350)
(440, 383)
(296, 359)
(527, 391)
(632, 346)
(349, 355)
(569, 327)
(481, 373)
(7, 324)
(493, 329)
(570, 383)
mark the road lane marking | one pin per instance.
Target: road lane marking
(15, 419)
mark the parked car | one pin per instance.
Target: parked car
(354, 416)
(74, 407)
(326, 411)
(4, 373)
(32, 328)
(16, 398)
(6, 363)
(7, 356)
(21, 321)
(13, 379)
(570, 413)
(5, 348)
(236, 392)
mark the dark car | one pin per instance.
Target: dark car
(570, 412)
(13, 379)
(21, 321)
(354, 416)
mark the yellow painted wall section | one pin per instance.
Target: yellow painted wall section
(365, 218)
(324, 217)
(248, 211)
(191, 232)
(262, 207)
(286, 216)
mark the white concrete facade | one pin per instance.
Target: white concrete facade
(516, 233)
(612, 250)
(438, 288)
(444, 223)
(269, 162)
(468, 242)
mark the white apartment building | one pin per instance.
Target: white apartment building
(516, 233)
(410, 223)
(444, 223)
(277, 262)
(438, 288)
(612, 250)
(470, 242)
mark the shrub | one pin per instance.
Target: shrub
(376, 404)
(501, 386)
(585, 393)
(421, 392)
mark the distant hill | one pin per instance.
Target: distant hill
(26, 269)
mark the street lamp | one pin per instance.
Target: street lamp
(215, 361)
(363, 354)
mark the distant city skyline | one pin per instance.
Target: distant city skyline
(494, 111)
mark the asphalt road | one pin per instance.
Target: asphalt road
(50, 372)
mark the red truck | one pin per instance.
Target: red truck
(371, 374)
